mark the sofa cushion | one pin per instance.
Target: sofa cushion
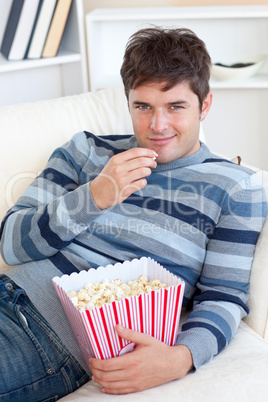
(238, 373)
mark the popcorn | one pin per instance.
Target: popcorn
(96, 294)
(155, 312)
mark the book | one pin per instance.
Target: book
(56, 29)
(11, 26)
(5, 9)
(40, 29)
(18, 29)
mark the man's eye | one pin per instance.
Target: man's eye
(143, 107)
(176, 107)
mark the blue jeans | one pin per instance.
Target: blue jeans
(34, 364)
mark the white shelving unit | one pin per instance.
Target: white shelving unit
(65, 74)
(238, 121)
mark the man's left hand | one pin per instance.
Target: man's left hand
(152, 363)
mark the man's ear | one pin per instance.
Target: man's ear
(206, 106)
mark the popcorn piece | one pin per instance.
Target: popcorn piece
(81, 295)
(143, 278)
(72, 293)
(116, 282)
(96, 294)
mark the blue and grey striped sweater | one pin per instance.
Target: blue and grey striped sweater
(199, 216)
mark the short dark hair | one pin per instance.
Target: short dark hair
(171, 56)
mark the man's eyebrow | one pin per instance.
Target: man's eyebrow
(139, 103)
(178, 102)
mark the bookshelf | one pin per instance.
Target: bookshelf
(238, 121)
(65, 74)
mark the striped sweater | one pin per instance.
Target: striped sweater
(199, 216)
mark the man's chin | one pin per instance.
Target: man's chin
(162, 159)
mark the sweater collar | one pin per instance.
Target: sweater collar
(198, 157)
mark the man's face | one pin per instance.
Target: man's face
(167, 121)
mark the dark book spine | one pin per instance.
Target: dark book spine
(11, 26)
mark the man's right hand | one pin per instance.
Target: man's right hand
(123, 175)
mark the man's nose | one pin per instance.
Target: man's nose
(159, 122)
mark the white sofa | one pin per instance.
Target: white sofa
(29, 133)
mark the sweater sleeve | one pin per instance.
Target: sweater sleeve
(53, 210)
(223, 285)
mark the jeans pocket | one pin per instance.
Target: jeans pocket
(34, 366)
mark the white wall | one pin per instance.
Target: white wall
(238, 121)
(89, 5)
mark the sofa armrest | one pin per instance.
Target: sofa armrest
(258, 299)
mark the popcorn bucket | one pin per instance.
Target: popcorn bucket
(156, 313)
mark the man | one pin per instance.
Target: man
(159, 193)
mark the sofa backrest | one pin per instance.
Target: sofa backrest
(31, 131)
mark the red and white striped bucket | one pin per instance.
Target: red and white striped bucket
(156, 313)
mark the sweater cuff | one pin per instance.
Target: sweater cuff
(81, 208)
(201, 344)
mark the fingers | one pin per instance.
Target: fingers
(134, 159)
(135, 153)
(132, 336)
(119, 387)
(120, 363)
(112, 374)
(152, 363)
(124, 174)
(117, 375)
(116, 386)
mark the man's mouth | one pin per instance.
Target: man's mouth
(161, 140)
